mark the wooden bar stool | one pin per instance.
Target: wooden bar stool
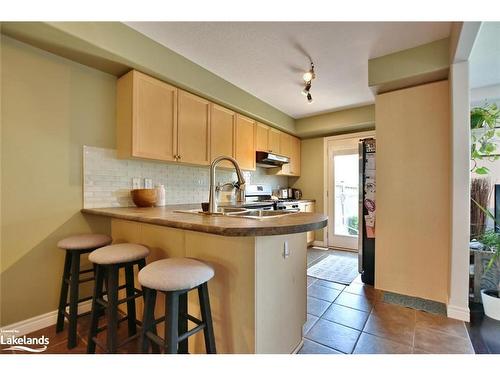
(108, 260)
(176, 277)
(75, 246)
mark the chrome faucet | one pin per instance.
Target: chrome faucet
(239, 185)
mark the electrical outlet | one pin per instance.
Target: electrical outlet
(286, 250)
(148, 183)
(136, 183)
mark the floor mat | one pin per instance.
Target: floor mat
(315, 255)
(415, 303)
(340, 268)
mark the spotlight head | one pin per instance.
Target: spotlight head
(306, 89)
(309, 98)
(308, 76)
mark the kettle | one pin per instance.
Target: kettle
(297, 194)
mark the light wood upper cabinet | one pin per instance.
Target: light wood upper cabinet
(294, 166)
(222, 129)
(274, 141)
(245, 142)
(286, 150)
(289, 146)
(262, 137)
(285, 144)
(193, 129)
(267, 139)
(146, 117)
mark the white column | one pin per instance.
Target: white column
(458, 303)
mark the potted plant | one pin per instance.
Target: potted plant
(491, 297)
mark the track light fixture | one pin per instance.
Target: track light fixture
(308, 77)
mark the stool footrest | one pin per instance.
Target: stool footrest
(193, 319)
(82, 300)
(133, 296)
(87, 270)
(104, 303)
(191, 332)
(80, 281)
(159, 341)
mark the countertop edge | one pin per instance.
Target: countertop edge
(214, 229)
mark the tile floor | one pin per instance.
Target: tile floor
(353, 319)
(341, 319)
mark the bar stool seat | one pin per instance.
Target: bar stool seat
(119, 253)
(175, 274)
(84, 241)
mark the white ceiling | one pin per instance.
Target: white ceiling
(267, 59)
(485, 57)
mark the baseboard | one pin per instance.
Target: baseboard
(298, 347)
(457, 312)
(41, 321)
(318, 243)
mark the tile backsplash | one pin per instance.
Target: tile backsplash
(107, 180)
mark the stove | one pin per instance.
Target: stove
(287, 204)
(259, 197)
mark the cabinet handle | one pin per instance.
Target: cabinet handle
(178, 156)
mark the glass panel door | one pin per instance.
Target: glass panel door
(345, 185)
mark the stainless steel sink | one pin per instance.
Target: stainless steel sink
(260, 214)
(220, 211)
(243, 213)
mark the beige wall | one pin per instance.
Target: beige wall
(116, 48)
(51, 107)
(413, 191)
(311, 175)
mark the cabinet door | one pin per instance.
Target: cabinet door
(285, 145)
(193, 131)
(222, 123)
(274, 141)
(295, 156)
(154, 118)
(262, 137)
(245, 142)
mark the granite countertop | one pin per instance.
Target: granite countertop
(220, 225)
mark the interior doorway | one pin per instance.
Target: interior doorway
(342, 190)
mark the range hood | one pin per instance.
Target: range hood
(268, 160)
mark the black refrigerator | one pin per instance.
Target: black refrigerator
(367, 187)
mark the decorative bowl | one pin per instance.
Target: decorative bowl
(144, 197)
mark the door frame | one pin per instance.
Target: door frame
(326, 173)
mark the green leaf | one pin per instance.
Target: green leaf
(490, 147)
(482, 170)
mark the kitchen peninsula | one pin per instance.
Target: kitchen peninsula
(258, 294)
